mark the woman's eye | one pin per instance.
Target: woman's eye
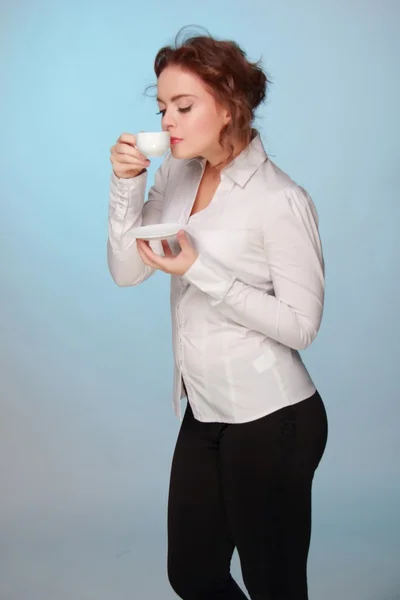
(185, 109)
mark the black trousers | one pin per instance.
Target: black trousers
(245, 486)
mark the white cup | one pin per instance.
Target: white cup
(153, 143)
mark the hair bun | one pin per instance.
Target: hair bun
(257, 87)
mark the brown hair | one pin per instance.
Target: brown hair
(236, 83)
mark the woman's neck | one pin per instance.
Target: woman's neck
(221, 159)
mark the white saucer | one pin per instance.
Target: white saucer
(161, 231)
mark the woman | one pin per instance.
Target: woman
(247, 290)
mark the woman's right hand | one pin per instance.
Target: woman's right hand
(126, 159)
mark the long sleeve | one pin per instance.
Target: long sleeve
(128, 210)
(292, 313)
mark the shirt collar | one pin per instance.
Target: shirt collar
(246, 163)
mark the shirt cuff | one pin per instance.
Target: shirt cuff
(127, 195)
(212, 279)
(130, 182)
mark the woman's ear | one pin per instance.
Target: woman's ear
(226, 116)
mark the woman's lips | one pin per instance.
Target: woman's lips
(175, 140)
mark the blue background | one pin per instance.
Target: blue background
(86, 424)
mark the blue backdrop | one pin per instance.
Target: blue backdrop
(86, 424)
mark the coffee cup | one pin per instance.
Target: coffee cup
(153, 143)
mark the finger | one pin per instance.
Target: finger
(159, 262)
(127, 150)
(142, 243)
(167, 249)
(183, 240)
(144, 246)
(145, 249)
(127, 138)
(150, 263)
(120, 159)
(144, 256)
(124, 159)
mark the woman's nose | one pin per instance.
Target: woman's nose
(167, 122)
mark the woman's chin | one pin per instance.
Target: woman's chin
(179, 151)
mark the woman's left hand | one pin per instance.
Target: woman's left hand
(170, 263)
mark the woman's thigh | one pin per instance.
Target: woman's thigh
(200, 546)
(267, 469)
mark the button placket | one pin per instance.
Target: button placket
(179, 327)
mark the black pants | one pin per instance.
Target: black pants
(244, 486)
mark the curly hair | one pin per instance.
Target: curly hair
(236, 83)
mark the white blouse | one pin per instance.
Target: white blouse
(254, 296)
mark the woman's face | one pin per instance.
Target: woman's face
(191, 114)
